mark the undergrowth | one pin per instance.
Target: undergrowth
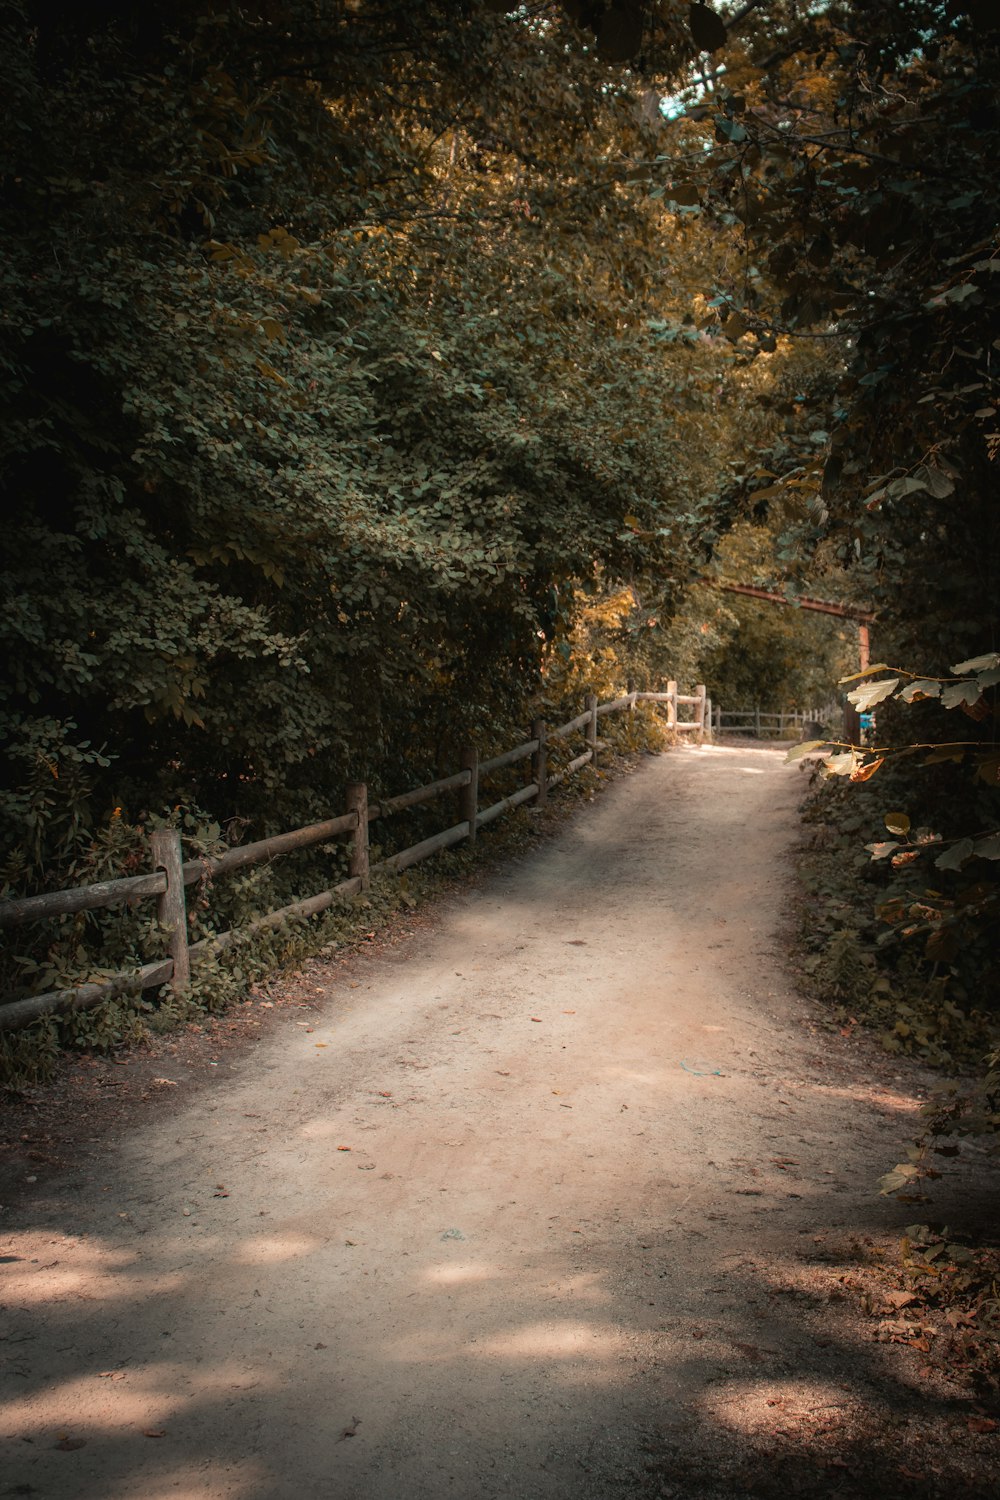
(940, 1296)
(870, 941)
(870, 967)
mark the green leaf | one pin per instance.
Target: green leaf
(900, 488)
(923, 687)
(900, 1177)
(957, 693)
(766, 493)
(797, 751)
(729, 130)
(866, 697)
(978, 663)
(935, 481)
(880, 666)
(953, 294)
(897, 822)
(955, 857)
(841, 765)
(989, 847)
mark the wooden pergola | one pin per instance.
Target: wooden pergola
(863, 618)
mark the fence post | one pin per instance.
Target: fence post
(706, 724)
(357, 802)
(718, 719)
(590, 705)
(630, 689)
(701, 693)
(468, 797)
(756, 721)
(540, 768)
(171, 908)
(672, 704)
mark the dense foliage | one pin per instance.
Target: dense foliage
(856, 148)
(336, 353)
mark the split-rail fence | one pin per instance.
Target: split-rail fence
(171, 873)
(762, 725)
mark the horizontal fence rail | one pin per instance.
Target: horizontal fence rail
(172, 874)
(761, 724)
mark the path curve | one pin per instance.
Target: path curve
(523, 1215)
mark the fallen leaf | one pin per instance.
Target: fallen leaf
(319, 1044)
(323, 1346)
(154, 1432)
(536, 1018)
(343, 1148)
(350, 1431)
(981, 1424)
(569, 1012)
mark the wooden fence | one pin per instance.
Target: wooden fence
(754, 722)
(171, 873)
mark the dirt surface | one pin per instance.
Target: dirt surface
(559, 1197)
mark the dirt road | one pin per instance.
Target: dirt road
(548, 1206)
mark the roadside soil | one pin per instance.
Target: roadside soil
(561, 1195)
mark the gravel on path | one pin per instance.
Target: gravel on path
(553, 1202)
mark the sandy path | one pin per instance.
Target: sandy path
(592, 1144)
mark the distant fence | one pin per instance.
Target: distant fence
(171, 873)
(759, 725)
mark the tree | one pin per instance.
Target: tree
(337, 354)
